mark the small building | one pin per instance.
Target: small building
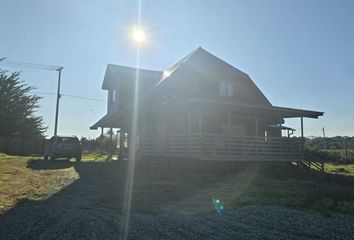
(200, 108)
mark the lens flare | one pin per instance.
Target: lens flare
(139, 35)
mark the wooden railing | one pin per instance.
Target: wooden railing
(221, 147)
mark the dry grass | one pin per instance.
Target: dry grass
(17, 182)
(341, 169)
(270, 185)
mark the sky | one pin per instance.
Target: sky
(299, 53)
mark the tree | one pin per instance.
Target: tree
(18, 108)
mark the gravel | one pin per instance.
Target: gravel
(90, 208)
(251, 222)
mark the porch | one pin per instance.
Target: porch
(220, 147)
(216, 131)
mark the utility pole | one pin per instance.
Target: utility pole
(39, 67)
(346, 148)
(324, 138)
(58, 97)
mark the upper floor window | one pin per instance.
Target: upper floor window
(226, 88)
(113, 96)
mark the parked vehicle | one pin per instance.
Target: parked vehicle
(63, 147)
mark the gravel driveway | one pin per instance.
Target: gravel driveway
(91, 208)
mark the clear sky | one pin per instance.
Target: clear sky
(299, 53)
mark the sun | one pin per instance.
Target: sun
(138, 35)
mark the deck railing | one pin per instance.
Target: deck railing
(221, 147)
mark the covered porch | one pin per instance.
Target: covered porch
(221, 131)
(211, 130)
(219, 147)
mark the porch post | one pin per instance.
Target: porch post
(229, 121)
(256, 127)
(302, 137)
(164, 125)
(111, 143)
(200, 130)
(302, 128)
(124, 148)
(189, 120)
(102, 139)
(199, 120)
(119, 143)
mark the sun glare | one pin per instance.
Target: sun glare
(139, 35)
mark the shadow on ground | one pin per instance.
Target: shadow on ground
(49, 165)
(91, 207)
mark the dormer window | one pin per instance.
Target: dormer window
(226, 88)
(113, 96)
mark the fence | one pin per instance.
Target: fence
(22, 146)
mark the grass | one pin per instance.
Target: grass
(278, 185)
(316, 193)
(342, 169)
(18, 183)
(94, 156)
(267, 184)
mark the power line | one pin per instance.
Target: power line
(44, 93)
(72, 96)
(77, 92)
(30, 65)
(85, 98)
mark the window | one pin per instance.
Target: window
(113, 96)
(226, 88)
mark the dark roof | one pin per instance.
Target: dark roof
(193, 59)
(282, 127)
(275, 110)
(201, 62)
(107, 121)
(115, 73)
(208, 65)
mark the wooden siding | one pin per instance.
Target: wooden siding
(221, 147)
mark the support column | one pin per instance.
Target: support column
(302, 128)
(189, 120)
(164, 121)
(111, 143)
(199, 120)
(256, 127)
(229, 121)
(102, 140)
(119, 143)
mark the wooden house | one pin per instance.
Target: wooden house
(200, 108)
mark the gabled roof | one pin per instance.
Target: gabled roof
(209, 65)
(194, 59)
(115, 73)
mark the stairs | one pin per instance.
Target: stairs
(312, 161)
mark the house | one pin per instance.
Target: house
(200, 108)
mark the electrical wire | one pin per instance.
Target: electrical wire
(49, 68)
(72, 96)
(85, 98)
(30, 65)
